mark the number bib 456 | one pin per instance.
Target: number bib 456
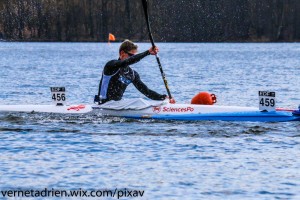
(267, 100)
(58, 95)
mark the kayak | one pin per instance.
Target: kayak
(201, 108)
(167, 111)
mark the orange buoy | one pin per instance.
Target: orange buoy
(204, 98)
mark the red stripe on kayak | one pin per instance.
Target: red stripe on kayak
(285, 109)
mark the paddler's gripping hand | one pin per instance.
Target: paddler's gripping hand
(153, 50)
(172, 100)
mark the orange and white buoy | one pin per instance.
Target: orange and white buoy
(204, 98)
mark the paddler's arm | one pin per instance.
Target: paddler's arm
(116, 64)
(133, 59)
(145, 90)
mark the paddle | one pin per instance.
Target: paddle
(145, 6)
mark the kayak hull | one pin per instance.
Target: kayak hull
(182, 112)
(241, 116)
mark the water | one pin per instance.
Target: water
(168, 160)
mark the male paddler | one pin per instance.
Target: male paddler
(117, 75)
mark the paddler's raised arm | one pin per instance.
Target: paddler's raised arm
(133, 58)
(127, 58)
(130, 57)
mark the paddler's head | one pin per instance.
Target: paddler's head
(127, 49)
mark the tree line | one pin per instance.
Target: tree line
(171, 21)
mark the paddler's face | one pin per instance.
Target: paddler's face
(124, 55)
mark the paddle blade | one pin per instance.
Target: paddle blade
(145, 7)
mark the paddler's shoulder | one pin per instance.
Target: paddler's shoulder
(112, 62)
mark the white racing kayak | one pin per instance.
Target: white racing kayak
(167, 111)
(162, 110)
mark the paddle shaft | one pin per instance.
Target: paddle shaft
(145, 6)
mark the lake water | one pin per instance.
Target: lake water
(167, 160)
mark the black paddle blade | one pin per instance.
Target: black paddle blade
(145, 7)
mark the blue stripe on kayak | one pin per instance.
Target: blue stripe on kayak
(237, 116)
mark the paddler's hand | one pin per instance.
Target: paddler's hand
(172, 101)
(153, 50)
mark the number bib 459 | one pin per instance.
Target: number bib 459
(267, 100)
